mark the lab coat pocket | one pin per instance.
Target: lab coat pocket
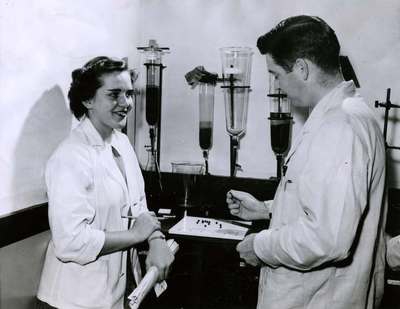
(89, 284)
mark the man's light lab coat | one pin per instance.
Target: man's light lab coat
(325, 245)
(87, 197)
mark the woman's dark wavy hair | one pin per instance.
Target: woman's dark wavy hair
(302, 37)
(86, 81)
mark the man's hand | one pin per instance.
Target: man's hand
(246, 250)
(245, 206)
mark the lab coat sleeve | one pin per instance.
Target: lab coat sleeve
(331, 191)
(140, 205)
(393, 253)
(69, 179)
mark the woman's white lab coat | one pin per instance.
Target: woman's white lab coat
(325, 245)
(87, 197)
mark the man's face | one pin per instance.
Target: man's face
(289, 82)
(112, 102)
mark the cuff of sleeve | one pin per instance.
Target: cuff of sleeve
(393, 253)
(94, 246)
(263, 248)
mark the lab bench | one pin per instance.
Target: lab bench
(207, 272)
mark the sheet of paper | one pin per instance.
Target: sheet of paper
(208, 227)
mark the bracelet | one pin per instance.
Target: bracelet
(156, 237)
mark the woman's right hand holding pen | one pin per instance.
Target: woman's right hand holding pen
(144, 225)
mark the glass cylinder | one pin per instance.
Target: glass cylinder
(280, 117)
(236, 107)
(206, 114)
(152, 61)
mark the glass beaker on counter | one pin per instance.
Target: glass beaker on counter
(189, 172)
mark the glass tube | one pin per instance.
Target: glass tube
(206, 115)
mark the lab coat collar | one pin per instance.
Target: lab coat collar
(332, 99)
(94, 139)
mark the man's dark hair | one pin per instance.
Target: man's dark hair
(302, 37)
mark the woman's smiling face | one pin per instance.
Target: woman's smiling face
(113, 100)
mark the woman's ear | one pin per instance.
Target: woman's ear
(88, 104)
(302, 68)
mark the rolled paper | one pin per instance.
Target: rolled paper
(149, 281)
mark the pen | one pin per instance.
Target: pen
(158, 217)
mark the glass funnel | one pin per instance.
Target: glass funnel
(236, 73)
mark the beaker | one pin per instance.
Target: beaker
(188, 172)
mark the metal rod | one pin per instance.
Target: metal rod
(387, 105)
(159, 118)
(232, 141)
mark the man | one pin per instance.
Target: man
(324, 247)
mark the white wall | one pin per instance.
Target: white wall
(41, 42)
(369, 31)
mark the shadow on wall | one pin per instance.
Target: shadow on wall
(46, 125)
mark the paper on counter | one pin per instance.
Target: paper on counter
(207, 227)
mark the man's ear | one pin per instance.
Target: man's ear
(302, 68)
(88, 104)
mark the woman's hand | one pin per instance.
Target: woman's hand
(246, 206)
(159, 256)
(144, 226)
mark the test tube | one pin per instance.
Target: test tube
(206, 115)
(153, 94)
(206, 118)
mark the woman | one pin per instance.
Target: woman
(93, 182)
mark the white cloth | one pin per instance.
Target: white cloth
(87, 197)
(325, 245)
